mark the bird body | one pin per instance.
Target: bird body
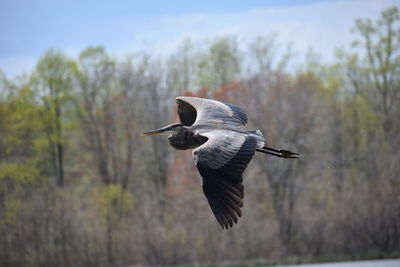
(222, 150)
(194, 136)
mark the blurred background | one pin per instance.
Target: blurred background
(79, 81)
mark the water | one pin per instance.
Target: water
(370, 263)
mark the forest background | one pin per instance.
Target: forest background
(80, 187)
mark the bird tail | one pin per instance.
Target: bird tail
(279, 152)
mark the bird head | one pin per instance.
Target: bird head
(167, 130)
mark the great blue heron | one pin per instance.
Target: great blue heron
(223, 148)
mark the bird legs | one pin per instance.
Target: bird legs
(279, 153)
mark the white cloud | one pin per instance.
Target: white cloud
(323, 26)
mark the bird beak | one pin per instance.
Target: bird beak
(164, 130)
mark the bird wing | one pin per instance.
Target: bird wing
(221, 161)
(193, 109)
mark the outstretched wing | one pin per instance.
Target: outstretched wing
(221, 162)
(192, 109)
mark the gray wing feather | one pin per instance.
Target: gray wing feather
(221, 162)
(238, 113)
(208, 109)
(222, 145)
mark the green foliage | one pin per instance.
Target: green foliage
(11, 207)
(367, 123)
(21, 133)
(25, 172)
(114, 201)
(52, 84)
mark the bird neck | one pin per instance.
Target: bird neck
(184, 139)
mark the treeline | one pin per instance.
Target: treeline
(80, 187)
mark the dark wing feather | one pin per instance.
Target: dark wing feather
(187, 113)
(221, 162)
(193, 109)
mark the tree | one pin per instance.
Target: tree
(52, 82)
(221, 64)
(96, 84)
(371, 80)
(264, 51)
(23, 169)
(182, 68)
(380, 41)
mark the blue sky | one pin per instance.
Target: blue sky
(29, 28)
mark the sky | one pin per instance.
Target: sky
(29, 28)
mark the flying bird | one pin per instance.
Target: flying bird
(222, 149)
